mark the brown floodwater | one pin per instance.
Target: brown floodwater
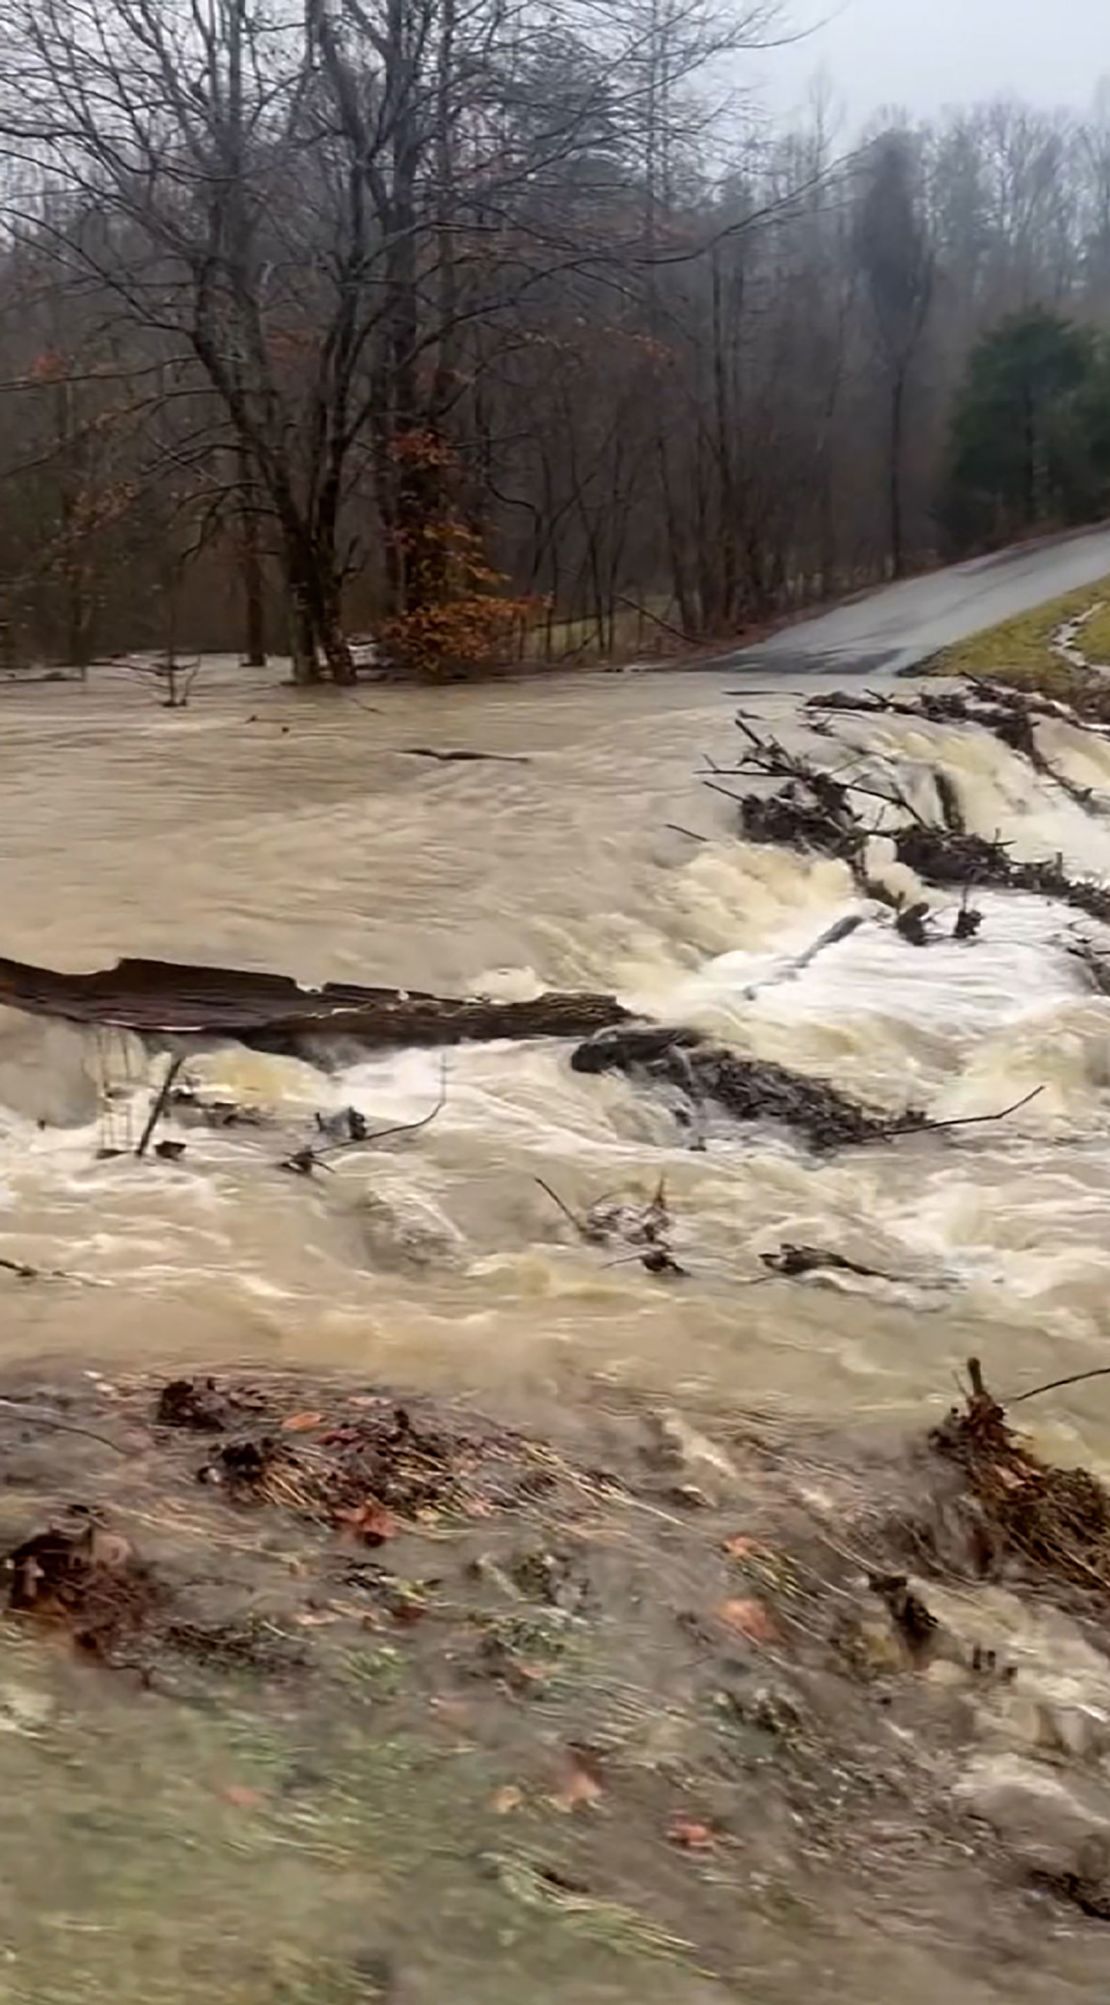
(269, 829)
(324, 851)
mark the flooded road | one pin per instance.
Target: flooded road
(264, 829)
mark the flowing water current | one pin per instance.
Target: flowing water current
(325, 852)
(262, 829)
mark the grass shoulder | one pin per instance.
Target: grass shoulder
(1020, 651)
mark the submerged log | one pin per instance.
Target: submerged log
(273, 1013)
(748, 1089)
(942, 857)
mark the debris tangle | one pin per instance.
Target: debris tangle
(1054, 1521)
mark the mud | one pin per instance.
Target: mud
(660, 1665)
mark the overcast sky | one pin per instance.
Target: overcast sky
(923, 54)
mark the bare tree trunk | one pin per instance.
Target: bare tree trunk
(897, 426)
(302, 638)
(250, 568)
(680, 577)
(333, 642)
(78, 648)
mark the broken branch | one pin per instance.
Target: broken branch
(160, 1100)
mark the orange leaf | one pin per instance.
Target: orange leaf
(1007, 1477)
(692, 1835)
(370, 1521)
(581, 1788)
(242, 1797)
(505, 1800)
(752, 1619)
(742, 1547)
(301, 1423)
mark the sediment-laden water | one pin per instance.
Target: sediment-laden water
(260, 828)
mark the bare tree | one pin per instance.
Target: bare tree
(897, 261)
(423, 317)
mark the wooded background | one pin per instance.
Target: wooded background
(492, 329)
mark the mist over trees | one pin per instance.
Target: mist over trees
(484, 327)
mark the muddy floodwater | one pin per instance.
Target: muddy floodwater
(266, 829)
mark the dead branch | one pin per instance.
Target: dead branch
(657, 1260)
(309, 1158)
(647, 614)
(581, 1227)
(160, 1100)
(459, 758)
(1055, 1384)
(970, 1120)
(790, 1262)
(400, 1127)
(42, 1419)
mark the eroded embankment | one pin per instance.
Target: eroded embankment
(616, 1692)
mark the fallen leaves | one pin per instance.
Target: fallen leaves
(507, 1799)
(582, 1787)
(370, 1522)
(302, 1423)
(749, 1618)
(241, 1797)
(742, 1547)
(690, 1834)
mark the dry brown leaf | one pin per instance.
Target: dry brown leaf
(506, 1800)
(241, 1796)
(581, 1788)
(457, 1712)
(370, 1522)
(691, 1833)
(1007, 1477)
(302, 1423)
(749, 1618)
(743, 1547)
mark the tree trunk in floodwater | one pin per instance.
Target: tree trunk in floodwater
(250, 569)
(274, 1012)
(317, 644)
(303, 655)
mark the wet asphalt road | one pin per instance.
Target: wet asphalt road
(902, 625)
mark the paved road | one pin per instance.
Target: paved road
(903, 624)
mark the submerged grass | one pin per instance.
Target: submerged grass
(273, 1861)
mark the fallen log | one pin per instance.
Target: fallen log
(453, 757)
(757, 1089)
(944, 858)
(273, 1013)
(748, 1089)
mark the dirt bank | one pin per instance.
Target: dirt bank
(614, 1695)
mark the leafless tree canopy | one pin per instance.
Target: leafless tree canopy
(479, 323)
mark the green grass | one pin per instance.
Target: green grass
(633, 632)
(1019, 651)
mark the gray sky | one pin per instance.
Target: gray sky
(924, 54)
